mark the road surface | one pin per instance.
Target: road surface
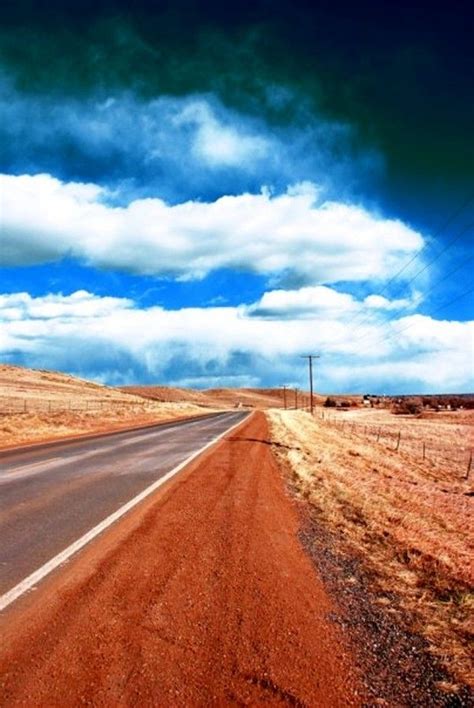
(207, 599)
(51, 497)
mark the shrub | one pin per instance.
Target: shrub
(407, 408)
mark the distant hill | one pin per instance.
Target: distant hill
(218, 397)
(21, 386)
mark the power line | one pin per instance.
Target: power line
(434, 287)
(450, 272)
(440, 229)
(433, 260)
(412, 324)
(445, 224)
(422, 270)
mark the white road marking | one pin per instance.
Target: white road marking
(35, 577)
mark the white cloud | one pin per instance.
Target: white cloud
(303, 303)
(218, 144)
(78, 305)
(112, 339)
(292, 235)
(378, 302)
(313, 301)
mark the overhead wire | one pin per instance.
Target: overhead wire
(427, 244)
(396, 333)
(422, 270)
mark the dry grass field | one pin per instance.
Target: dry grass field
(409, 522)
(442, 441)
(44, 405)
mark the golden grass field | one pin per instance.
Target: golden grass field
(36, 406)
(411, 523)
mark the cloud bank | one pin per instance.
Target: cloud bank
(294, 236)
(113, 340)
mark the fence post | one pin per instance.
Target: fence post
(398, 439)
(424, 450)
(378, 434)
(469, 465)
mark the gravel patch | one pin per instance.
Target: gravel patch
(396, 664)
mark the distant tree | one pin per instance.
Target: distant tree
(407, 408)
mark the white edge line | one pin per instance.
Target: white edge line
(35, 577)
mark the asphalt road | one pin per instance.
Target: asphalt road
(50, 497)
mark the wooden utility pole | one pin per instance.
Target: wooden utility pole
(310, 358)
(296, 399)
(284, 396)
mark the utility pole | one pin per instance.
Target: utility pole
(284, 396)
(296, 399)
(310, 358)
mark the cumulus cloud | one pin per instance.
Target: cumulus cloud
(305, 302)
(308, 302)
(293, 236)
(113, 340)
(79, 305)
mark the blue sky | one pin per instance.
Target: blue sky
(208, 234)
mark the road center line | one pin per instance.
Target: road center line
(35, 577)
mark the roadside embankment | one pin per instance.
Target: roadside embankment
(409, 533)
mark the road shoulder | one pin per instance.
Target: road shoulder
(207, 597)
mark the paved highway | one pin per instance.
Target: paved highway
(51, 497)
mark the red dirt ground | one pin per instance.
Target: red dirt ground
(206, 598)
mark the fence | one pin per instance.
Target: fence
(10, 405)
(459, 458)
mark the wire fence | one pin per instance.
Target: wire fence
(432, 449)
(12, 405)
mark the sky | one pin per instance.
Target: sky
(198, 193)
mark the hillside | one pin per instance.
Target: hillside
(22, 388)
(38, 405)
